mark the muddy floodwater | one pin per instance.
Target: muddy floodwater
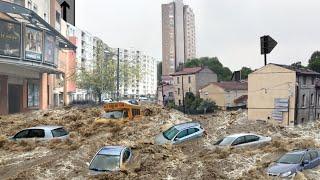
(198, 159)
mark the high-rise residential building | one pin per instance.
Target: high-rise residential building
(143, 79)
(178, 36)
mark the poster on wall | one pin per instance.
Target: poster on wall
(33, 44)
(49, 48)
(10, 39)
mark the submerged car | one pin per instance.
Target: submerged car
(42, 133)
(110, 158)
(289, 164)
(243, 139)
(180, 133)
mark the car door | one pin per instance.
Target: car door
(181, 136)
(240, 141)
(307, 157)
(251, 140)
(36, 133)
(193, 133)
(21, 135)
(314, 159)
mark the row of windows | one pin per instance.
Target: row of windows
(179, 90)
(312, 102)
(304, 80)
(189, 80)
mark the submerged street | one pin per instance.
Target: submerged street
(191, 160)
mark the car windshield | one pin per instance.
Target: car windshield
(290, 159)
(113, 115)
(170, 133)
(225, 141)
(104, 162)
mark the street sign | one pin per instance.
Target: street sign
(267, 44)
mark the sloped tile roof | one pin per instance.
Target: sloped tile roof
(230, 85)
(186, 71)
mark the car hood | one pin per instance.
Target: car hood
(279, 168)
(160, 140)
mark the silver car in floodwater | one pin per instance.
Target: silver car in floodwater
(180, 133)
(47, 132)
(109, 159)
(289, 164)
(243, 139)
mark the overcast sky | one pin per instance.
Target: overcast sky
(227, 29)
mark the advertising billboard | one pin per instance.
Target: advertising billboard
(33, 44)
(10, 39)
(49, 48)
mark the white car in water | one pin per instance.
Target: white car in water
(42, 133)
(243, 139)
(109, 159)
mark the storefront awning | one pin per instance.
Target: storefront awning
(24, 15)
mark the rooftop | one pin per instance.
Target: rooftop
(186, 71)
(298, 69)
(230, 85)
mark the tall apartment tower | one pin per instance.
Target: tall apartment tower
(178, 36)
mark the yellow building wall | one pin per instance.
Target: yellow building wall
(214, 93)
(267, 84)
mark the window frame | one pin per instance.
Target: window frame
(26, 136)
(185, 130)
(244, 141)
(33, 130)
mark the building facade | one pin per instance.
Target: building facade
(191, 80)
(226, 95)
(178, 36)
(27, 63)
(289, 95)
(142, 79)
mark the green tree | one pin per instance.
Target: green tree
(100, 77)
(314, 61)
(207, 105)
(224, 73)
(245, 71)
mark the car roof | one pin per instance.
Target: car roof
(241, 134)
(111, 150)
(301, 151)
(186, 125)
(46, 127)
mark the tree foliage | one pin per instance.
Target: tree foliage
(195, 105)
(213, 63)
(314, 61)
(100, 77)
(245, 71)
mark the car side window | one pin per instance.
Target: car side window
(314, 154)
(22, 134)
(126, 155)
(36, 133)
(251, 138)
(307, 157)
(192, 130)
(239, 140)
(182, 134)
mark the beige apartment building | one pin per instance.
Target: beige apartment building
(191, 80)
(288, 95)
(226, 95)
(178, 36)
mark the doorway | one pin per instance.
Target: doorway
(15, 98)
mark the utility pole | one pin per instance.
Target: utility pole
(184, 106)
(118, 69)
